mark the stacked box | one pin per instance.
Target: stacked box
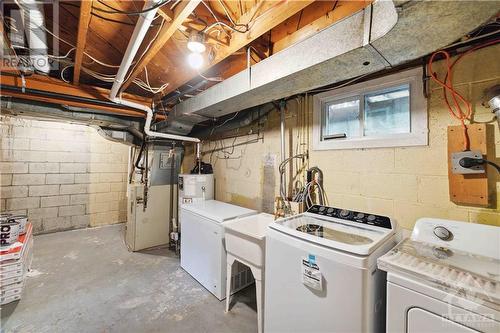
(15, 261)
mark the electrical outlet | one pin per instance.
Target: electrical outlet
(458, 169)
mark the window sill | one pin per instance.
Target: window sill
(395, 140)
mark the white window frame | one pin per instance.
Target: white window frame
(419, 129)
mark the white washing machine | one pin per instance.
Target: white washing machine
(203, 253)
(445, 278)
(321, 272)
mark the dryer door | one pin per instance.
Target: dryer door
(420, 320)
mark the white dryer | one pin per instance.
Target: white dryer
(203, 253)
(445, 278)
(321, 272)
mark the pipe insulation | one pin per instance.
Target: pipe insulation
(140, 30)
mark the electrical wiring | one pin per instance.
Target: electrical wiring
(211, 79)
(114, 10)
(468, 162)
(64, 56)
(224, 25)
(10, 22)
(104, 18)
(225, 122)
(455, 111)
(231, 19)
(62, 73)
(107, 77)
(459, 101)
(253, 18)
(146, 49)
(218, 22)
(148, 85)
(102, 63)
(199, 19)
(100, 76)
(282, 172)
(304, 195)
(339, 86)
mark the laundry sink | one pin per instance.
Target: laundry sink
(245, 238)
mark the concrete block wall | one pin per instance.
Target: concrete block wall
(405, 183)
(64, 176)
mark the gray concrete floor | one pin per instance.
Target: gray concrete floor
(87, 281)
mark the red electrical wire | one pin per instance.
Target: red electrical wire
(456, 110)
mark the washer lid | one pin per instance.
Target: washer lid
(334, 233)
(217, 210)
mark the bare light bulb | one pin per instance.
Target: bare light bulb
(195, 46)
(196, 42)
(195, 60)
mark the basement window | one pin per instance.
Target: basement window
(386, 112)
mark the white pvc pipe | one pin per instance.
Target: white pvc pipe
(140, 30)
(149, 118)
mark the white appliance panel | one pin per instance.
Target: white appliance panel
(401, 299)
(202, 254)
(348, 302)
(195, 187)
(450, 269)
(217, 210)
(420, 320)
(150, 227)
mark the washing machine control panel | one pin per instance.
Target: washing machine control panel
(350, 215)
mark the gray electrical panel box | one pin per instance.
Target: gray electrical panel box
(165, 165)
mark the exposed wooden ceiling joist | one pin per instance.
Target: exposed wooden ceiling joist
(187, 26)
(96, 96)
(263, 16)
(83, 26)
(340, 10)
(180, 13)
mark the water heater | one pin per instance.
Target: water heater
(195, 187)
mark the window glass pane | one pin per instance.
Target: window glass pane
(387, 111)
(342, 117)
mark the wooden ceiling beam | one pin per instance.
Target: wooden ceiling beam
(50, 85)
(342, 9)
(119, 112)
(180, 13)
(190, 24)
(83, 26)
(261, 18)
(187, 27)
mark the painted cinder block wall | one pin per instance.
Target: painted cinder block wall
(404, 183)
(64, 176)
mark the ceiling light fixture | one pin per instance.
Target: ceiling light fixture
(196, 42)
(195, 60)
